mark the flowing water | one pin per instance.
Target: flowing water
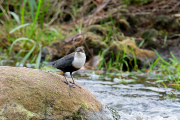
(134, 101)
(136, 98)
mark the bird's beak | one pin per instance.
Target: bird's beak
(77, 50)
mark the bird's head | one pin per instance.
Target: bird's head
(80, 49)
(80, 52)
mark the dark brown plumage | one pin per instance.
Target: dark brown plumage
(70, 63)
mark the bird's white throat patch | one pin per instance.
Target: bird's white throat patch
(79, 60)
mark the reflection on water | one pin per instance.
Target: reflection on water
(140, 101)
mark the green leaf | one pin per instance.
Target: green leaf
(1, 13)
(38, 60)
(174, 57)
(22, 11)
(18, 27)
(37, 12)
(33, 6)
(16, 17)
(36, 17)
(27, 55)
(142, 42)
(161, 58)
(54, 30)
(19, 39)
(165, 39)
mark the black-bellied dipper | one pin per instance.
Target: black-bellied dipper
(70, 63)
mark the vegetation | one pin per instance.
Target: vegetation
(135, 2)
(31, 25)
(169, 72)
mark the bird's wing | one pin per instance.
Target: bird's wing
(50, 63)
(64, 62)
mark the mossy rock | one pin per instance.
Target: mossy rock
(97, 29)
(95, 43)
(34, 94)
(163, 22)
(151, 38)
(124, 24)
(129, 49)
(168, 24)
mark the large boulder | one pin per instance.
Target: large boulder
(34, 94)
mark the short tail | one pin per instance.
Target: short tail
(50, 63)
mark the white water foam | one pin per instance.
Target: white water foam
(141, 116)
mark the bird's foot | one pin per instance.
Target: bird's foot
(75, 84)
(69, 84)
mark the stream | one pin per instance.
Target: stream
(138, 98)
(135, 101)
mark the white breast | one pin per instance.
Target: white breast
(79, 60)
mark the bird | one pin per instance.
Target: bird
(70, 63)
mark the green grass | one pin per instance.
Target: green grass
(169, 68)
(170, 71)
(26, 34)
(26, 37)
(134, 2)
(117, 61)
(19, 36)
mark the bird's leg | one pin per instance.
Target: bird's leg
(67, 80)
(73, 80)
